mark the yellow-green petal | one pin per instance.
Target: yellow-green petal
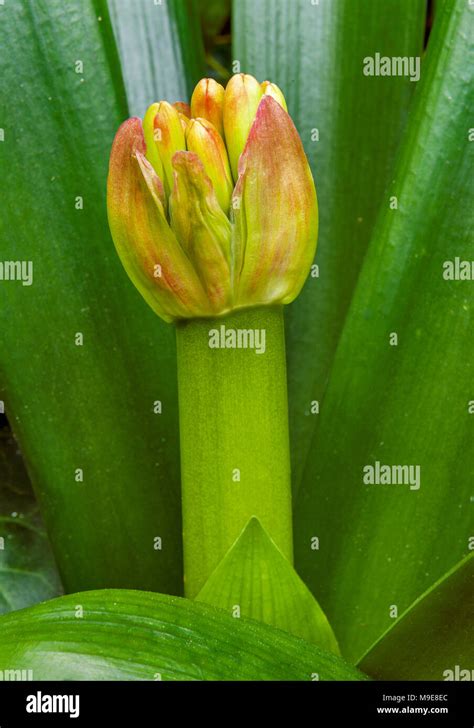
(207, 102)
(203, 138)
(271, 89)
(169, 139)
(202, 228)
(149, 131)
(242, 96)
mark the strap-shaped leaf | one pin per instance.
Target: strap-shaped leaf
(401, 389)
(350, 125)
(131, 635)
(161, 49)
(254, 579)
(434, 639)
(84, 363)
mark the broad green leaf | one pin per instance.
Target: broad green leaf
(27, 570)
(160, 47)
(350, 125)
(255, 578)
(381, 546)
(434, 639)
(130, 635)
(83, 360)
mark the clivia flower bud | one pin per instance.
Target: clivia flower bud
(192, 244)
(207, 102)
(271, 89)
(168, 135)
(204, 139)
(241, 100)
(202, 228)
(149, 133)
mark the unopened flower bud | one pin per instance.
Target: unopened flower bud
(202, 228)
(168, 135)
(207, 102)
(271, 89)
(149, 133)
(203, 139)
(189, 252)
(242, 96)
(148, 248)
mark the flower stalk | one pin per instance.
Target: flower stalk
(234, 435)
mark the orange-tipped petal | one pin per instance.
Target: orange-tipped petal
(275, 211)
(271, 89)
(203, 138)
(146, 245)
(169, 139)
(183, 108)
(202, 228)
(207, 102)
(242, 96)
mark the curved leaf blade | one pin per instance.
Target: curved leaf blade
(81, 409)
(161, 49)
(131, 635)
(383, 545)
(434, 639)
(255, 577)
(350, 125)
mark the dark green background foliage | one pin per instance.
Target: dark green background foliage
(27, 570)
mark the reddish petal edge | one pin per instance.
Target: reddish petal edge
(142, 236)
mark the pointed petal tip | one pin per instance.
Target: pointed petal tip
(184, 158)
(207, 101)
(129, 133)
(270, 106)
(128, 140)
(188, 165)
(271, 121)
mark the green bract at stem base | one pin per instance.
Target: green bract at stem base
(233, 412)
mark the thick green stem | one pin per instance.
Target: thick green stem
(234, 435)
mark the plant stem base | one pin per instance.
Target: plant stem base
(234, 435)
